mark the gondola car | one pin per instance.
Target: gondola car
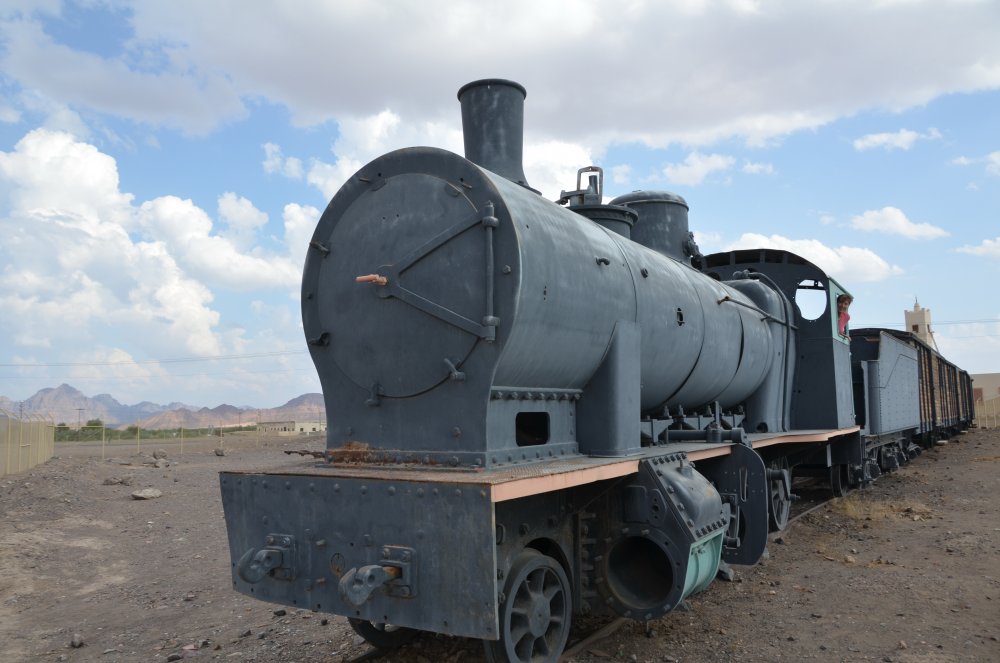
(539, 409)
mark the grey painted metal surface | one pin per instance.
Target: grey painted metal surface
(523, 310)
(663, 224)
(441, 538)
(510, 379)
(891, 383)
(493, 126)
(823, 395)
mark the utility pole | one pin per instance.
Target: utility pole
(79, 410)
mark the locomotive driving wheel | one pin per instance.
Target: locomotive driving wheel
(839, 482)
(535, 613)
(780, 503)
(381, 635)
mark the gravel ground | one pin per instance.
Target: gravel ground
(907, 570)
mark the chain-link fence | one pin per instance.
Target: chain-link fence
(143, 440)
(26, 440)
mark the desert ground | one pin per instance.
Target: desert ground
(907, 570)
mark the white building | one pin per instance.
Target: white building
(291, 427)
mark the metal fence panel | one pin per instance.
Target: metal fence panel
(24, 443)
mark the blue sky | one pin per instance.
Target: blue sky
(162, 165)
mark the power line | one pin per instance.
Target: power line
(138, 362)
(150, 376)
(934, 323)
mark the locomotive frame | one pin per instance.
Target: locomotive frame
(542, 409)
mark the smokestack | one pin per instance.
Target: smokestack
(493, 126)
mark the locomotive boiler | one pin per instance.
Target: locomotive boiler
(535, 409)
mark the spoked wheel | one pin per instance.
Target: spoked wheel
(781, 501)
(535, 614)
(838, 480)
(381, 635)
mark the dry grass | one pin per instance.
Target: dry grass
(858, 506)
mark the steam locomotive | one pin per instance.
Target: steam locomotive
(538, 409)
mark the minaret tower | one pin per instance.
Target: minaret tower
(918, 323)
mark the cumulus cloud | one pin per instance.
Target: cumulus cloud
(243, 221)
(991, 162)
(892, 221)
(859, 264)
(9, 114)
(361, 139)
(752, 168)
(187, 231)
(276, 162)
(83, 265)
(300, 222)
(696, 167)
(974, 346)
(903, 139)
(988, 247)
(178, 69)
(180, 95)
(52, 170)
(621, 174)
(551, 167)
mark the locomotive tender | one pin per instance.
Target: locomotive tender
(541, 409)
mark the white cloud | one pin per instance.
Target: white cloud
(361, 139)
(187, 232)
(696, 168)
(328, 178)
(858, 264)
(988, 247)
(74, 271)
(752, 168)
(275, 162)
(892, 221)
(52, 170)
(300, 222)
(117, 364)
(621, 174)
(993, 163)
(975, 346)
(903, 139)
(242, 219)
(551, 167)
(9, 115)
(178, 69)
(991, 160)
(183, 95)
(708, 242)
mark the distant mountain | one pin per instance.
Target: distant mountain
(307, 407)
(66, 404)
